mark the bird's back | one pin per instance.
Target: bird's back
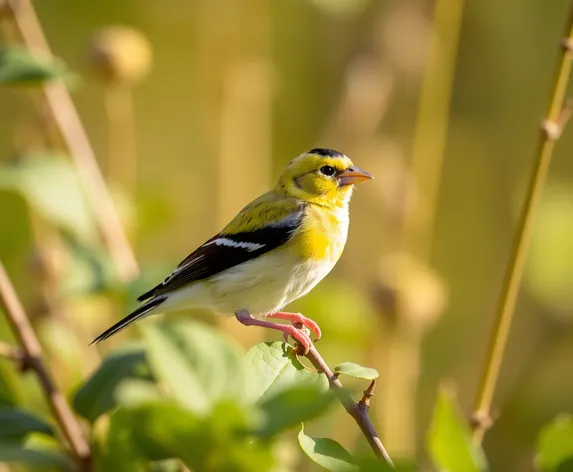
(265, 285)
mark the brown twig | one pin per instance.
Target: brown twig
(358, 411)
(551, 129)
(32, 359)
(70, 127)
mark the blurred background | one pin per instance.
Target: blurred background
(194, 107)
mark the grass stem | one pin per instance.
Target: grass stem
(551, 129)
(75, 137)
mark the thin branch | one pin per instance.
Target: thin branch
(551, 129)
(69, 124)
(32, 359)
(358, 411)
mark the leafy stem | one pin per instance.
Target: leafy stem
(358, 411)
(69, 125)
(30, 357)
(551, 129)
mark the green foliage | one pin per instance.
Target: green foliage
(50, 186)
(274, 367)
(16, 424)
(354, 370)
(555, 445)
(21, 68)
(217, 442)
(326, 453)
(225, 409)
(17, 453)
(195, 363)
(29, 441)
(89, 269)
(113, 447)
(449, 442)
(102, 390)
(287, 408)
(8, 396)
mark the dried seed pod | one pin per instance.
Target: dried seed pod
(120, 54)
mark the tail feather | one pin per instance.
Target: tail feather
(148, 294)
(142, 311)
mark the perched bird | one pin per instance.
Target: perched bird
(274, 251)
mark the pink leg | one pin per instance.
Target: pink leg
(302, 338)
(298, 318)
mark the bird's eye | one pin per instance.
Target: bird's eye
(327, 170)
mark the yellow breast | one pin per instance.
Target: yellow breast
(323, 233)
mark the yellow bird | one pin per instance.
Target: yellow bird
(274, 251)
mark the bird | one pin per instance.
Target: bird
(275, 250)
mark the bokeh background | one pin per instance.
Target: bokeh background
(441, 101)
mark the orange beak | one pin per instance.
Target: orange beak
(353, 175)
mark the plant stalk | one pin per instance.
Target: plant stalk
(69, 124)
(358, 411)
(32, 360)
(551, 129)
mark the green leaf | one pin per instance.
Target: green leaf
(165, 430)
(16, 453)
(50, 185)
(449, 442)
(327, 453)
(89, 269)
(16, 424)
(354, 370)
(273, 367)
(195, 362)
(8, 384)
(132, 392)
(100, 393)
(215, 443)
(290, 407)
(555, 444)
(113, 444)
(19, 67)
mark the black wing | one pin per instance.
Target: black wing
(224, 251)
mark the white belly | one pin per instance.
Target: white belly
(253, 287)
(268, 283)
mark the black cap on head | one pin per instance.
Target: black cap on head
(325, 152)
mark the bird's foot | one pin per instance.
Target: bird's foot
(299, 335)
(298, 320)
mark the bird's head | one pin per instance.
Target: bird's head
(322, 176)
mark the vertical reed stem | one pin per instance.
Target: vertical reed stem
(551, 129)
(75, 137)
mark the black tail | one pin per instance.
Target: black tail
(139, 313)
(149, 293)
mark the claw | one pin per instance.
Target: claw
(298, 318)
(299, 336)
